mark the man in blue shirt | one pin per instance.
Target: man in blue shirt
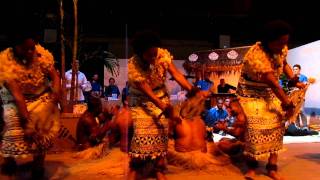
(216, 114)
(111, 89)
(296, 72)
(302, 118)
(204, 84)
(96, 87)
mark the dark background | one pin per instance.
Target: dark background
(177, 20)
(199, 20)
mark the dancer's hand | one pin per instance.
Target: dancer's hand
(169, 112)
(289, 109)
(300, 85)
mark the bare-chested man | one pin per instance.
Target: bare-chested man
(190, 133)
(122, 128)
(190, 136)
(116, 128)
(89, 133)
(233, 146)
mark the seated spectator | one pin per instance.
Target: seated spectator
(216, 114)
(204, 84)
(96, 86)
(297, 73)
(112, 90)
(223, 87)
(230, 118)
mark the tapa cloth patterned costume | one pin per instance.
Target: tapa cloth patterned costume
(35, 86)
(150, 139)
(265, 126)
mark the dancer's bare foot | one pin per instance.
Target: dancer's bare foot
(250, 174)
(275, 175)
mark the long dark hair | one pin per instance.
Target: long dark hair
(24, 28)
(272, 31)
(144, 40)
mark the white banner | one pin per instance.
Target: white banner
(308, 56)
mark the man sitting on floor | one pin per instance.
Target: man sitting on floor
(91, 131)
(189, 149)
(233, 147)
(122, 128)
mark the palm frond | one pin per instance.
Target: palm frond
(111, 63)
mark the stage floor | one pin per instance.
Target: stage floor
(299, 161)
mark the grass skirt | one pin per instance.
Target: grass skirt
(197, 160)
(45, 120)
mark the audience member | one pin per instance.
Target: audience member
(302, 120)
(223, 87)
(83, 84)
(112, 90)
(216, 114)
(204, 84)
(230, 118)
(96, 86)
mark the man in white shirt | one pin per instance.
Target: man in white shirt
(83, 84)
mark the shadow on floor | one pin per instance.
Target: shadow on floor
(53, 170)
(310, 156)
